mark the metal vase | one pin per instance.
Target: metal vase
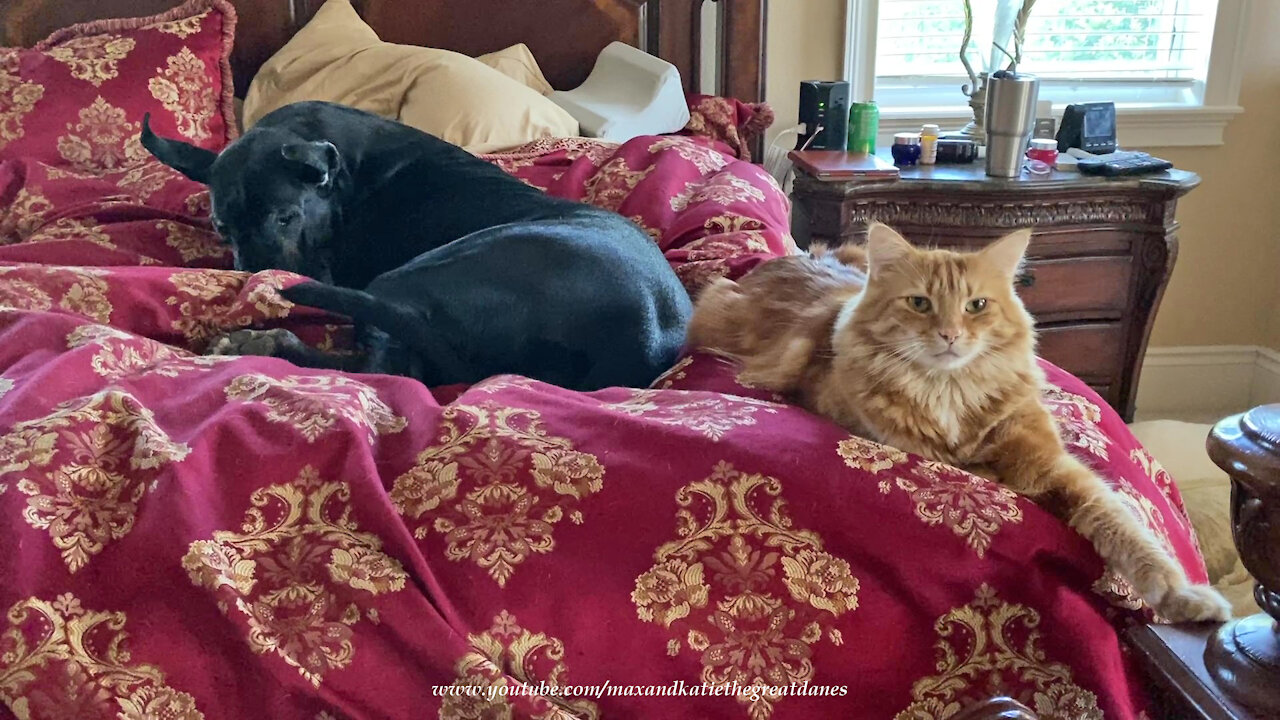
(1010, 117)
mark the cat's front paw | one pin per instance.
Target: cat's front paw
(263, 343)
(1194, 603)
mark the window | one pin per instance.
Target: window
(1154, 58)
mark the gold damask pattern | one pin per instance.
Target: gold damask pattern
(678, 372)
(722, 188)
(314, 404)
(706, 159)
(990, 647)
(103, 140)
(751, 593)
(507, 657)
(211, 302)
(752, 228)
(725, 245)
(82, 290)
(184, 27)
(17, 96)
(712, 416)
(142, 181)
(1164, 482)
(1077, 419)
(122, 355)
(974, 508)
(24, 216)
(199, 204)
(504, 382)
(613, 183)
(697, 275)
(84, 229)
(1120, 593)
(184, 89)
(1145, 511)
(193, 243)
(94, 58)
(58, 660)
(527, 155)
(19, 294)
(300, 571)
(654, 234)
(484, 457)
(85, 468)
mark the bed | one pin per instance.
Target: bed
(184, 536)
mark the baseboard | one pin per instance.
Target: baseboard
(1207, 379)
(1266, 378)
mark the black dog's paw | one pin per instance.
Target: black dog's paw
(264, 343)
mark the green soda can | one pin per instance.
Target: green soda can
(864, 124)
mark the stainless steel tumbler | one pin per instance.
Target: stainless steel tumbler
(1010, 118)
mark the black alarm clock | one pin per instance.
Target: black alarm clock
(1090, 127)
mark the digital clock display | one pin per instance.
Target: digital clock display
(1099, 122)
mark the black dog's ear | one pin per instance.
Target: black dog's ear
(316, 161)
(192, 161)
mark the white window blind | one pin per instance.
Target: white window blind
(1153, 51)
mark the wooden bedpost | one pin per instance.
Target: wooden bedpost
(1244, 655)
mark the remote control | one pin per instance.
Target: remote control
(1122, 163)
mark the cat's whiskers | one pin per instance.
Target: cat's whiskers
(885, 367)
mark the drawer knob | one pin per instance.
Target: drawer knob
(1026, 279)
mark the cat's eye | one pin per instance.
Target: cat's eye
(920, 303)
(975, 305)
(286, 220)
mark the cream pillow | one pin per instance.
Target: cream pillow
(517, 63)
(338, 57)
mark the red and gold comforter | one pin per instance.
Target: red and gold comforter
(185, 536)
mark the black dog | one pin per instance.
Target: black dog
(453, 270)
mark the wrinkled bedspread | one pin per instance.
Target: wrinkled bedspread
(185, 536)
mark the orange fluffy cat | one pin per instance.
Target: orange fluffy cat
(932, 352)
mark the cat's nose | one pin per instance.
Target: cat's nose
(949, 335)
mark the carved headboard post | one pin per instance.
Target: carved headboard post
(741, 65)
(739, 45)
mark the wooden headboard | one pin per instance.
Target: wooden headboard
(564, 35)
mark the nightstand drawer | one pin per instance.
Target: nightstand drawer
(1076, 288)
(1091, 352)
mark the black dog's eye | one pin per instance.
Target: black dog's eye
(286, 220)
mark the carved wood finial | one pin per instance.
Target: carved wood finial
(1244, 655)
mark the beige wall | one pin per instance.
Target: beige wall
(1225, 288)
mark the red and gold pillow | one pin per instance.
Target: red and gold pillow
(728, 121)
(73, 173)
(76, 99)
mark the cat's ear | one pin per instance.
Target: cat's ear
(884, 247)
(1006, 254)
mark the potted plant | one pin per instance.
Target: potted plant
(1009, 22)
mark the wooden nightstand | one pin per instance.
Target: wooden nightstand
(1098, 263)
(1172, 659)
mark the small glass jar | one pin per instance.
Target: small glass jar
(956, 151)
(1045, 150)
(906, 149)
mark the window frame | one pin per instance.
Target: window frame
(1137, 124)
